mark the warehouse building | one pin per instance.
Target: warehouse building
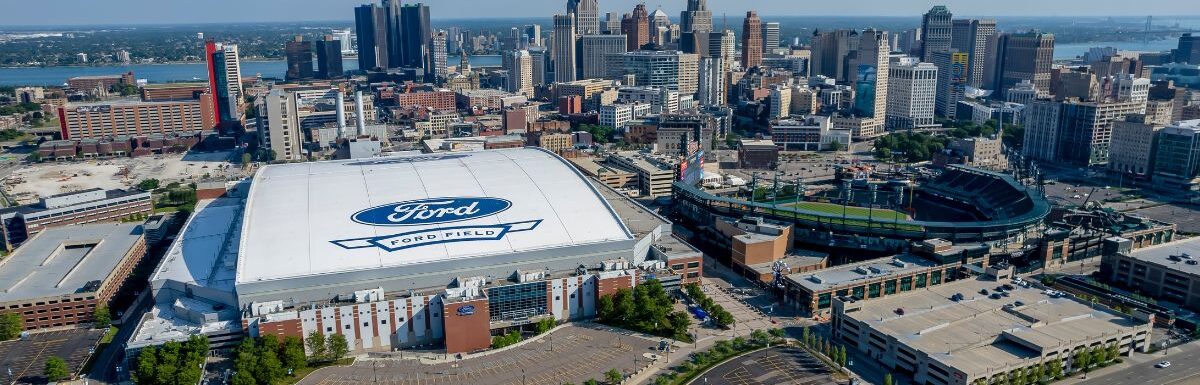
(1168, 271)
(420, 250)
(978, 330)
(59, 276)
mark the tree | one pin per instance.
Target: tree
(338, 347)
(1111, 352)
(883, 154)
(147, 366)
(148, 184)
(760, 337)
(591, 381)
(1096, 354)
(246, 159)
(777, 332)
(56, 369)
(293, 353)
(722, 317)
(887, 379)
(101, 317)
(679, 324)
(316, 345)
(613, 376)
(1055, 369)
(1081, 360)
(545, 324)
(268, 367)
(836, 146)
(805, 334)
(11, 326)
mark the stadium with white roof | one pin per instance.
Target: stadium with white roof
(419, 250)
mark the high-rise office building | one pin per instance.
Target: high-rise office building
(1073, 132)
(1024, 56)
(611, 24)
(1188, 50)
(415, 37)
(540, 67)
(660, 27)
(711, 82)
(225, 80)
(723, 45)
(952, 80)
(936, 32)
(587, 16)
(594, 51)
(673, 70)
(912, 95)
(780, 102)
(1177, 158)
(564, 48)
(534, 31)
(972, 36)
(770, 34)
(329, 58)
(696, 17)
(871, 81)
(395, 35)
(519, 65)
(371, 27)
(831, 51)
(438, 66)
(299, 59)
(752, 40)
(636, 27)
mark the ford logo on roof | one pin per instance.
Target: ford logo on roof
(431, 211)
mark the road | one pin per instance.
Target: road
(105, 367)
(1183, 370)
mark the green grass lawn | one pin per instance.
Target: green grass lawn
(880, 214)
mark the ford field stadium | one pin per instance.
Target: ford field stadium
(426, 250)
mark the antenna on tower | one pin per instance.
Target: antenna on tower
(724, 21)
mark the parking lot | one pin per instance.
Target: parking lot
(780, 365)
(579, 353)
(26, 359)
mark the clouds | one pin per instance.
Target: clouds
(56, 12)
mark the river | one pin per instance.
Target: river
(175, 72)
(162, 73)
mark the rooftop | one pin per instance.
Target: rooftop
(980, 332)
(66, 260)
(209, 240)
(352, 215)
(846, 275)
(1172, 256)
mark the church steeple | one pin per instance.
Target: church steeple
(464, 65)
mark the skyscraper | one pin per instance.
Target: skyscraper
(564, 48)
(636, 27)
(534, 31)
(1188, 50)
(224, 80)
(371, 27)
(299, 59)
(395, 35)
(971, 36)
(871, 80)
(611, 24)
(723, 45)
(1024, 56)
(697, 17)
(415, 36)
(911, 97)
(594, 51)
(830, 53)
(673, 70)
(752, 48)
(711, 82)
(587, 16)
(329, 58)
(539, 66)
(770, 37)
(936, 32)
(519, 65)
(952, 80)
(438, 68)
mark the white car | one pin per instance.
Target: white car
(1163, 364)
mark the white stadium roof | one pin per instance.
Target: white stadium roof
(311, 219)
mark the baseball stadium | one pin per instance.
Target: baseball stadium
(961, 205)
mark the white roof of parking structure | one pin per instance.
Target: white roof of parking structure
(312, 219)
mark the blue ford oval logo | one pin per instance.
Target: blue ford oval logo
(431, 211)
(466, 310)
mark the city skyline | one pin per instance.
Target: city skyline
(114, 12)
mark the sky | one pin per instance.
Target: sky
(74, 12)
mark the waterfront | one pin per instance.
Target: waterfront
(175, 72)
